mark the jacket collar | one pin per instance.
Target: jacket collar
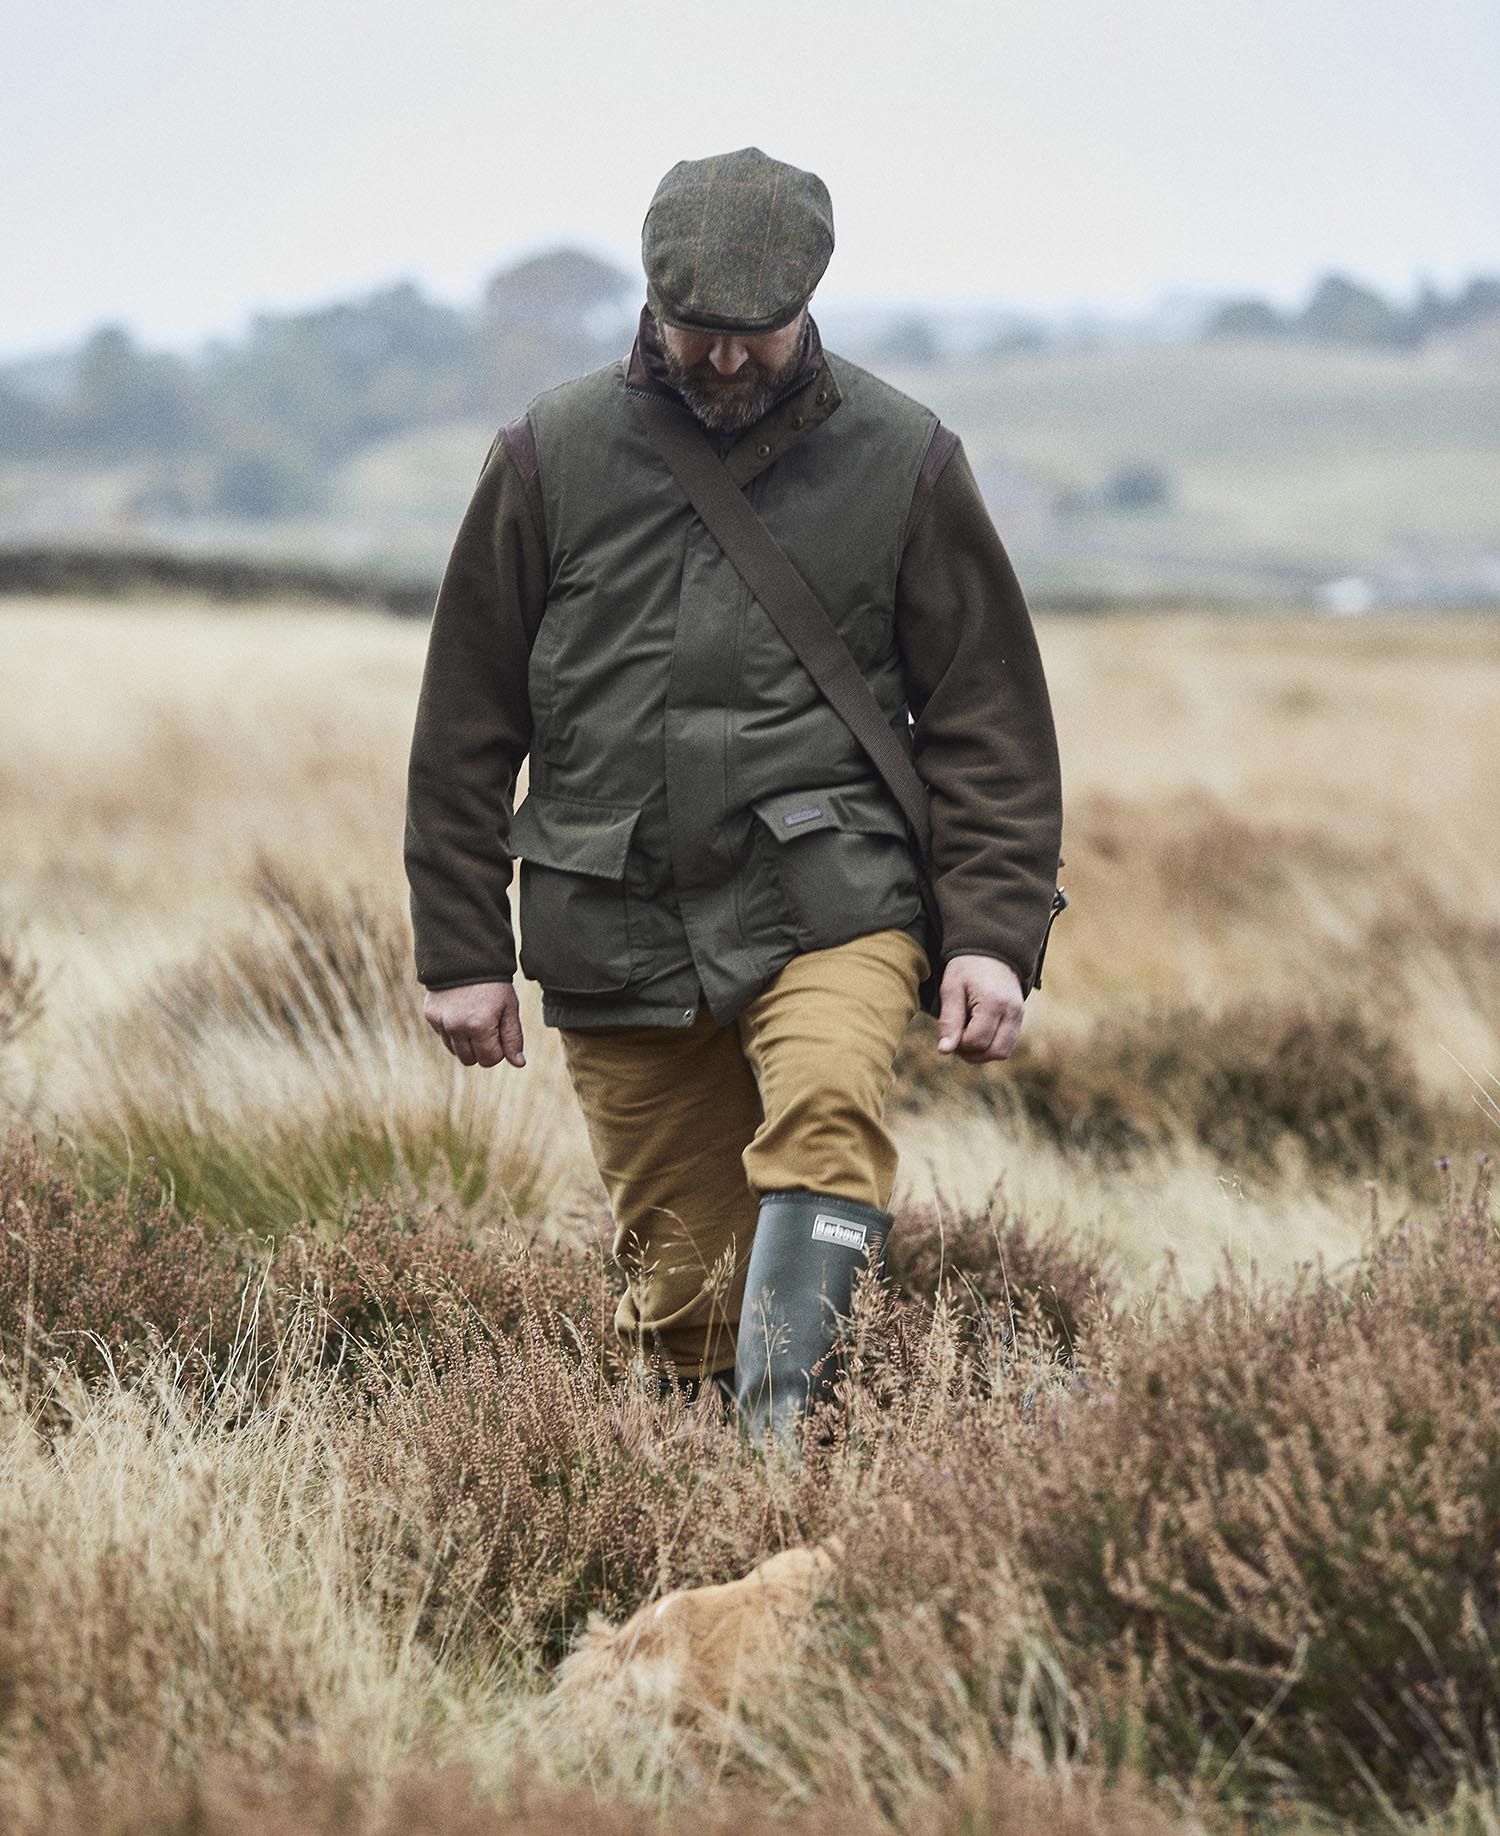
(806, 402)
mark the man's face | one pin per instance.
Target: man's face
(730, 379)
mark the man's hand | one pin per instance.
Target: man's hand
(479, 1024)
(982, 1009)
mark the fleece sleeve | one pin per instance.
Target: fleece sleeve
(473, 727)
(983, 734)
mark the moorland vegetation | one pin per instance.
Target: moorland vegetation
(1167, 1480)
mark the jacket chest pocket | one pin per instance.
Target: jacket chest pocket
(575, 935)
(844, 858)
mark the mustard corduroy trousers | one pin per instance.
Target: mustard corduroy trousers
(690, 1126)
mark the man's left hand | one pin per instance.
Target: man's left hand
(982, 1009)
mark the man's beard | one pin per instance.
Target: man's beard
(728, 403)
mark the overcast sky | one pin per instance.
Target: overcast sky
(177, 163)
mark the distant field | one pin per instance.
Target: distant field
(1286, 465)
(1289, 463)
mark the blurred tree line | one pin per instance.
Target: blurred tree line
(250, 429)
(1343, 311)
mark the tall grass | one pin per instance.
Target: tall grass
(286, 1069)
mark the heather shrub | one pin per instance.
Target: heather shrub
(935, 1651)
(1246, 1081)
(1262, 1557)
(390, 1267)
(554, 1482)
(1250, 1084)
(1284, 1521)
(96, 1281)
(548, 1490)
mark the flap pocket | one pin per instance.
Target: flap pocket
(575, 837)
(866, 809)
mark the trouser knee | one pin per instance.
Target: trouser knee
(825, 1139)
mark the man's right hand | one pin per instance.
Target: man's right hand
(480, 1024)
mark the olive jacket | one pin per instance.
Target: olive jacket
(696, 814)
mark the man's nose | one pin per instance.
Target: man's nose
(728, 355)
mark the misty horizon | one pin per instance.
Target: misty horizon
(1179, 310)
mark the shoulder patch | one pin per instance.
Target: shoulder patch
(940, 449)
(520, 443)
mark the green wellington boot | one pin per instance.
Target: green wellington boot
(799, 1290)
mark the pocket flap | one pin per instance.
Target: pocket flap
(575, 837)
(868, 809)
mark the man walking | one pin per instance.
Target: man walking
(723, 888)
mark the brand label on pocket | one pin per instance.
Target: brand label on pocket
(839, 1230)
(793, 817)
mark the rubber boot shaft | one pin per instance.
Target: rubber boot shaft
(799, 1290)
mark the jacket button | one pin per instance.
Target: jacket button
(822, 397)
(796, 420)
(763, 451)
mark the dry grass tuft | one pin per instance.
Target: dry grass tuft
(393, 1270)
(319, 960)
(171, 1583)
(20, 990)
(287, 1069)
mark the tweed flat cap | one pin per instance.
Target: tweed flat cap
(736, 242)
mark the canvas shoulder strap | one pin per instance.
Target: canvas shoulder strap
(788, 600)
